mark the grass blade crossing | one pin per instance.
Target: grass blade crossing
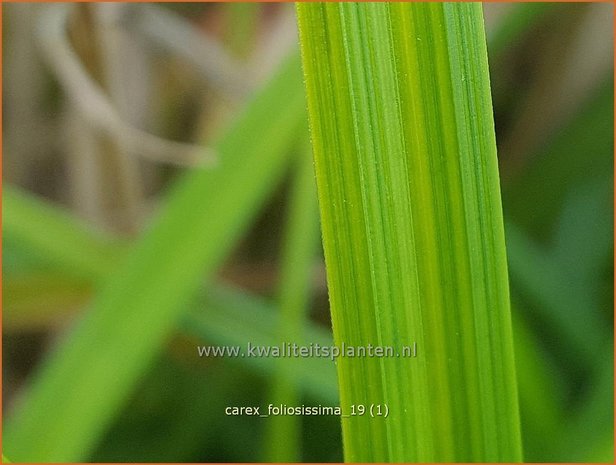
(140, 305)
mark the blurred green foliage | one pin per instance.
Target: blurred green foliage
(59, 270)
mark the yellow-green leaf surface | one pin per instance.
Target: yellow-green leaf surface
(403, 138)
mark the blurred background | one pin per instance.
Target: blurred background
(107, 106)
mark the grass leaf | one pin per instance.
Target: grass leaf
(282, 443)
(77, 249)
(228, 316)
(254, 319)
(403, 137)
(82, 385)
(221, 314)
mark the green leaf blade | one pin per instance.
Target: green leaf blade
(402, 129)
(283, 433)
(82, 385)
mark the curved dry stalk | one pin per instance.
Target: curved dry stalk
(94, 105)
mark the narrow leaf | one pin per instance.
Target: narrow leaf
(220, 315)
(82, 385)
(403, 137)
(298, 258)
(72, 246)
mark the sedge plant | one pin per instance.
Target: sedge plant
(403, 139)
(68, 262)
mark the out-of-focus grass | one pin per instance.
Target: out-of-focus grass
(113, 343)
(580, 151)
(75, 248)
(559, 206)
(222, 314)
(542, 280)
(297, 265)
